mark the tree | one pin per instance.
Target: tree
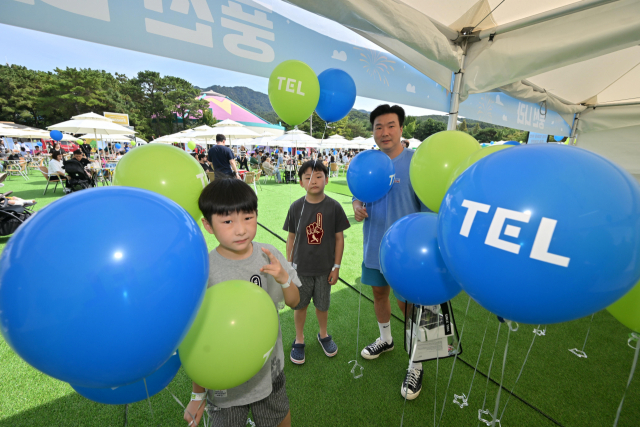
(487, 135)
(475, 129)
(207, 118)
(427, 128)
(183, 98)
(409, 127)
(463, 126)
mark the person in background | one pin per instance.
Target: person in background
(406, 143)
(222, 159)
(253, 161)
(56, 168)
(242, 159)
(202, 159)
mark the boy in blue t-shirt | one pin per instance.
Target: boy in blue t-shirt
(230, 210)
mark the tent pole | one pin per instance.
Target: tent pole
(455, 93)
(574, 128)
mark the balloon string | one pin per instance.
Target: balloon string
(435, 393)
(126, 415)
(185, 408)
(444, 402)
(148, 398)
(489, 372)
(633, 369)
(479, 354)
(588, 330)
(519, 374)
(355, 360)
(504, 364)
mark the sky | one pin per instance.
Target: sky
(45, 52)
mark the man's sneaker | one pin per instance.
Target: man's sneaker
(412, 384)
(373, 351)
(329, 347)
(297, 353)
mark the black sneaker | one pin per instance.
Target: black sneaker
(373, 351)
(412, 384)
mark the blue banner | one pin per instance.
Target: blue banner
(249, 37)
(537, 138)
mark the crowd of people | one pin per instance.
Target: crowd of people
(225, 163)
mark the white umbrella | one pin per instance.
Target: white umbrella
(106, 137)
(228, 122)
(295, 138)
(414, 143)
(91, 123)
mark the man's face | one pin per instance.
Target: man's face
(78, 157)
(387, 132)
(314, 181)
(235, 231)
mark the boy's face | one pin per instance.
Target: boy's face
(314, 181)
(235, 231)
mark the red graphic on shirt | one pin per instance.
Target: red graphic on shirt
(315, 231)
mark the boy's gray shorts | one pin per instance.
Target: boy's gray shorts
(268, 412)
(316, 287)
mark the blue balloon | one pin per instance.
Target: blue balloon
(39, 144)
(370, 175)
(118, 311)
(137, 391)
(511, 143)
(118, 146)
(337, 94)
(557, 246)
(56, 135)
(411, 262)
(558, 138)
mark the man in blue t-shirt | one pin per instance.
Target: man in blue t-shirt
(378, 216)
(222, 159)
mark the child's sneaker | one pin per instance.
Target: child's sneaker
(297, 353)
(412, 385)
(329, 347)
(373, 351)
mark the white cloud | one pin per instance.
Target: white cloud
(498, 100)
(340, 56)
(411, 88)
(504, 117)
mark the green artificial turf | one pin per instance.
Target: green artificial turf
(322, 392)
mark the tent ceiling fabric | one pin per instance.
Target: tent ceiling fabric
(588, 54)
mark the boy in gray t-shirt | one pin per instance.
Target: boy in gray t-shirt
(315, 245)
(230, 210)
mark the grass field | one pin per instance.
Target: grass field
(556, 387)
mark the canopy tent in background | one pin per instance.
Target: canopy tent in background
(295, 139)
(414, 143)
(224, 108)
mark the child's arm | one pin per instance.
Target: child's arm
(195, 407)
(275, 269)
(290, 239)
(333, 276)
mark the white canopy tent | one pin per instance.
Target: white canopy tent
(295, 138)
(578, 58)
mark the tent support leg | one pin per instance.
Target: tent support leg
(455, 93)
(574, 128)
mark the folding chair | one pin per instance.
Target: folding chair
(211, 176)
(269, 174)
(19, 167)
(334, 169)
(48, 177)
(250, 178)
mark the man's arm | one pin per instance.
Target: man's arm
(232, 162)
(290, 240)
(359, 211)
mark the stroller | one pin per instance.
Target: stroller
(12, 216)
(78, 178)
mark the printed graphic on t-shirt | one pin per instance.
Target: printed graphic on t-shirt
(255, 279)
(315, 231)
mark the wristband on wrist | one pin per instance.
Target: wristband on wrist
(335, 266)
(198, 396)
(286, 285)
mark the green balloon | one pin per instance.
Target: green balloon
(627, 309)
(166, 170)
(294, 91)
(191, 145)
(474, 157)
(435, 160)
(79, 142)
(232, 337)
(133, 143)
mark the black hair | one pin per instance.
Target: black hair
(201, 156)
(226, 195)
(315, 165)
(78, 151)
(220, 137)
(387, 109)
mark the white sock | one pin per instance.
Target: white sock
(415, 365)
(385, 332)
